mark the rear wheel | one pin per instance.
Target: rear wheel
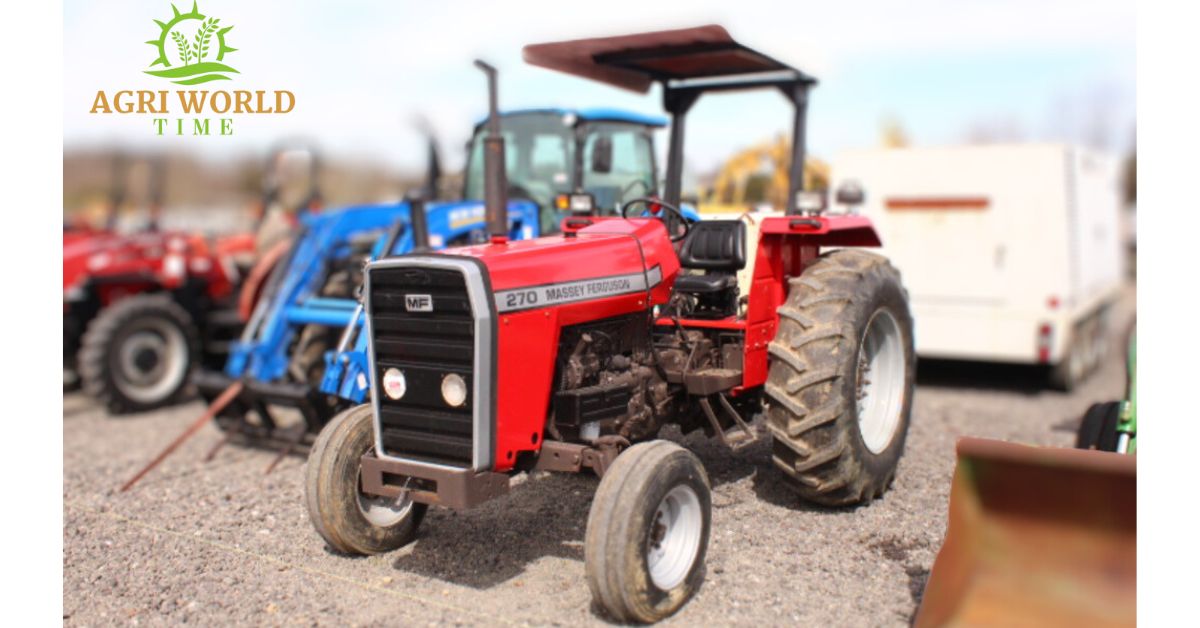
(839, 388)
(647, 532)
(349, 520)
(138, 353)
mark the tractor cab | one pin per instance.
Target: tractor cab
(571, 161)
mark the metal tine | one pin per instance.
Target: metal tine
(216, 406)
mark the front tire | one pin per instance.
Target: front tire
(138, 354)
(647, 532)
(839, 388)
(350, 521)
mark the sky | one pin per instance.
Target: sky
(363, 71)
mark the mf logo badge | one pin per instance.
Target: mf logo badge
(418, 303)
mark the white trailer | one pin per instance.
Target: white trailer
(1011, 253)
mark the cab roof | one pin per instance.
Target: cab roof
(594, 114)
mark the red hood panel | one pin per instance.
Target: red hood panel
(610, 257)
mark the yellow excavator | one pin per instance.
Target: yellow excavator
(732, 191)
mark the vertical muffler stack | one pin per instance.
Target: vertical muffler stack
(495, 183)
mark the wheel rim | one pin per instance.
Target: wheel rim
(152, 361)
(881, 379)
(382, 512)
(674, 539)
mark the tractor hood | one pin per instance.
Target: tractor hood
(608, 259)
(107, 252)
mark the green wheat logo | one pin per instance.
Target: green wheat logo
(184, 44)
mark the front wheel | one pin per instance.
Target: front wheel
(839, 389)
(647, 532)
(350, 521)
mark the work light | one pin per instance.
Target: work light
(454, 390)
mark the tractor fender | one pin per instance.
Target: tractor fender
(825, 230)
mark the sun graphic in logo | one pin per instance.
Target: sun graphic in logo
(186, 48)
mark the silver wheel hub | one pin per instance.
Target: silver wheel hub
(674, 540)
(383, 512)
(152, 361)
(881, 381)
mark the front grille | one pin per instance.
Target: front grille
(426, 346)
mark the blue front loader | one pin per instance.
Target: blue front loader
(296, 305)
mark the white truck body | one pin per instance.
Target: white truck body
(1010, 253)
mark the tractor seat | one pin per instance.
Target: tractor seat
(717, 247)
(703, 284)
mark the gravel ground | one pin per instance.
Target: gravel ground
(222, 543)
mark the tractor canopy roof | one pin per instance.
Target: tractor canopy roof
(595, 114)
(703, 54)
(688, 62)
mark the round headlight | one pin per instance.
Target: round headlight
(394, 385)
(454, 390)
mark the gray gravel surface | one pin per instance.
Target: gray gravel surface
(221, 543)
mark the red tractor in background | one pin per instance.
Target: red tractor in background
(142, 309)
(571, 352)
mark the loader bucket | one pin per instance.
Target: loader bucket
(1037, 536)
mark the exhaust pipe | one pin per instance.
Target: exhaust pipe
(158, 169)
(495, 185)
(116, 191)
(417, 220)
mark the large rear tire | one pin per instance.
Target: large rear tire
(350, 521)
(647, 532)
(138, 354)
(839, 388)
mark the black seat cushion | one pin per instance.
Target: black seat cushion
(701, 284)
(715, 245)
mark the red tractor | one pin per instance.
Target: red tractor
(571, 352)
(142, 309)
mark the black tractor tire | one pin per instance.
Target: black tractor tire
(168, 337)
(333, 495)
(648, 487)
(813, 383)
(1098, 429)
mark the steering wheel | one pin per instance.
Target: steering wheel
(687, 227)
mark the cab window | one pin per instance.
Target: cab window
(618, 164)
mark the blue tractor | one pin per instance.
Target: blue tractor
(301, 348)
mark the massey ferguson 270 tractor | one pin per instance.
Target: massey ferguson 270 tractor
(571, 352)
